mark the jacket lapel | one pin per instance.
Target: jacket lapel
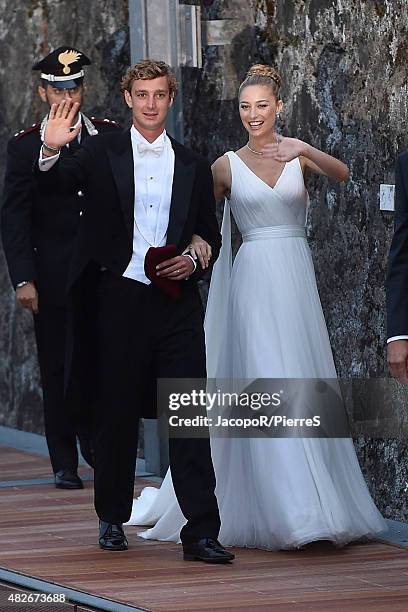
(84, 131)
(121, 160)
(183, 181)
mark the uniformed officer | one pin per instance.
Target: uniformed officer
(38, 231)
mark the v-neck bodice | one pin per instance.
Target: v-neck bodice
(256, 204)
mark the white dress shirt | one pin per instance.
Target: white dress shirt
(396, 338)
(78, 124)
(153, 175)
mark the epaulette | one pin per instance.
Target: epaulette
(97, 121)
(22, 133)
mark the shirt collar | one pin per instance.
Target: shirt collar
(137, 137)
(79, 122)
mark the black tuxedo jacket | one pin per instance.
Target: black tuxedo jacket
(104, 165)
(397, 277)
(39, 227)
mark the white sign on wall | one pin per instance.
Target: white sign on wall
(387, 197)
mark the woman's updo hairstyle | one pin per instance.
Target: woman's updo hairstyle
(261, 74)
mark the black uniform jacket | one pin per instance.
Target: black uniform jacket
(39, 227)
(397, 277)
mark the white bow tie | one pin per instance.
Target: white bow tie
(143, 148)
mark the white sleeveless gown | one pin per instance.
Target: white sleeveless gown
(264, 320)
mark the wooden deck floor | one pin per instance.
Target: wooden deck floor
(51, 534)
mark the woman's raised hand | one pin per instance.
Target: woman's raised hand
(284, 149)
(59, 130)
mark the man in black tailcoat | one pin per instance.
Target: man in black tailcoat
(397, 278)
(38, 231)
(145, 190)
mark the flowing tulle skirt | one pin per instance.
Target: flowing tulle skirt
(275, 492)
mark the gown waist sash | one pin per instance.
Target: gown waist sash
(277, 231)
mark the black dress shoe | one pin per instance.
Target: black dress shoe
(68, 479)
(112, 536)
(207, 550)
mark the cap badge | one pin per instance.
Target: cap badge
(68, 57)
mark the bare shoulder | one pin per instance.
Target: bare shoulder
(241, 152)
(222, 170)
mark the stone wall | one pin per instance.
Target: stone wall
(344, 70)
(29, 29)
(343, 65)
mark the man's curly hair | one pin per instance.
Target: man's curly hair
(148, 69)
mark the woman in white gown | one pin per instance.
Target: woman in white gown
(264, 320)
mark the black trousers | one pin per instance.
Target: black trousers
(65, 415)
(140, 331)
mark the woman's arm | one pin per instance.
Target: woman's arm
(221, 178)
(221, 173)
(318, 161)
(315, 160)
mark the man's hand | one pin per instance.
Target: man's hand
(27, 297)
(397, 357)
(201, 249)
(59, 130)
(176, 268)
